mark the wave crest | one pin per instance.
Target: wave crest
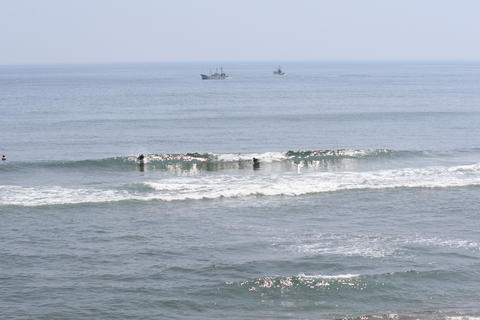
(302, 281)
(211, 161)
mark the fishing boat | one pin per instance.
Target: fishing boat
(215, 75)
(279, 72)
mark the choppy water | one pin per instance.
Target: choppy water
(365, 205)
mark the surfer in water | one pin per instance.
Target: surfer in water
(256, 163)
(141, 164)
(4, 158)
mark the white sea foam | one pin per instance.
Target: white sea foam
(280, 156)
(371, 246)
(344, 245)
(228, 186)
(37, 196)
(265, 157)
(416, 316)
(294, 184)
(366, 249)
(450, 243)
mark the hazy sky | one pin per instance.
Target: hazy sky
(51, 31)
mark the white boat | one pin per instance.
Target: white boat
(215, 75)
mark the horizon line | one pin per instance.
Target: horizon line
(125, 62)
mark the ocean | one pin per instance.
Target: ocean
(365, 204)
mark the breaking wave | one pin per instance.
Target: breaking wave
(214, 161)
(234, 186)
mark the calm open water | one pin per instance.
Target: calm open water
(366, 202)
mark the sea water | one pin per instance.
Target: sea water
(366, 203)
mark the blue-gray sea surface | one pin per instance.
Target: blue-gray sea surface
(366, 203)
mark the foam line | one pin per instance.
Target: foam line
(231, 186)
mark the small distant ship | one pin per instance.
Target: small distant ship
(216, 75)
(279, 72)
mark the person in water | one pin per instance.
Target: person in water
(141, 164)
(256, 163)
(4, 158)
